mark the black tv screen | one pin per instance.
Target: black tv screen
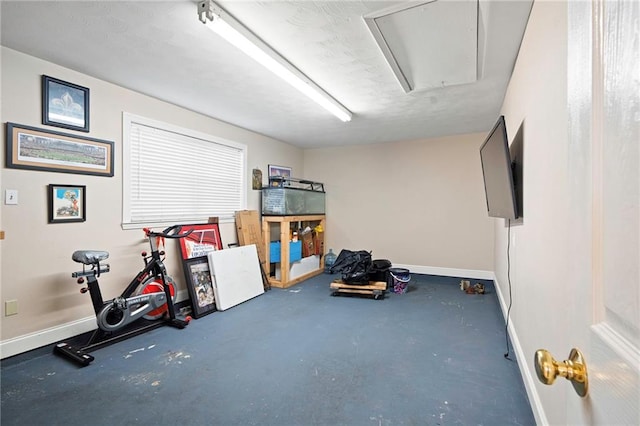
(498, 174)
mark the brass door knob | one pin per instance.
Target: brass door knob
(573, 369)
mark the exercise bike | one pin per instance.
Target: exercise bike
(146, 303)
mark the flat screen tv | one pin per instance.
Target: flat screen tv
(498, 173)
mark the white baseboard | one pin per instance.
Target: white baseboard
(448, 272)
(28, 342)
(527, 377)
(20, 344)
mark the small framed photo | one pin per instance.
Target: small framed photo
(278, 175)
(67, 203)
(65, 104)
(200, 286)
(279, 171)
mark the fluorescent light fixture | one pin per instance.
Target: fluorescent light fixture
(227, 27)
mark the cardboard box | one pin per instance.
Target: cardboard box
(307, 245)
(250, 232)
(318, 242)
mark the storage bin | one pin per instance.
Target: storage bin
(295, 251)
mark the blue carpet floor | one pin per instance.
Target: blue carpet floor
(432, 356)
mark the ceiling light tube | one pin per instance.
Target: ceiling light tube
(223, 24)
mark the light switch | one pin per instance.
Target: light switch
(10, 307)
(11, 196)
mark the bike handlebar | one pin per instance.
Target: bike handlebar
(170, 232)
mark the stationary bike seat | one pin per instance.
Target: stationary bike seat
(89, 257)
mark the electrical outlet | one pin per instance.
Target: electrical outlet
(11, 196)
(10, 307)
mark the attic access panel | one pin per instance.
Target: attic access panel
(429, 44)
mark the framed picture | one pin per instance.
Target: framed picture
(279, 171)
(204, 239)
(200, 286)
(38, 149)
(278, 175)
(67, 203)
(65, 104)
(256, 179)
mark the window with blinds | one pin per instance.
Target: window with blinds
(174, 175)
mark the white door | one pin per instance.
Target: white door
(604, 114)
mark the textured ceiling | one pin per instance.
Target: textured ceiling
(162, 49)
(433, 45)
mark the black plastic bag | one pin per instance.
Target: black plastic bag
(355, 266)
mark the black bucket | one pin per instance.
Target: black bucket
(398, 280)
(380, 270)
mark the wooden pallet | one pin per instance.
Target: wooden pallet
(375, 289)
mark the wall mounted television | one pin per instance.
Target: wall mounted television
(497, 171)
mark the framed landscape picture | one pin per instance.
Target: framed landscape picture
(65, 104)
(200, 286)
(39, 149)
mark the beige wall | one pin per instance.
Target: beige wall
(35, 260)
(417, 203)
(541, 252)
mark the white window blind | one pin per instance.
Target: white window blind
(174, 175)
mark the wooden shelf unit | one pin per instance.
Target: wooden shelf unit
(285, 226)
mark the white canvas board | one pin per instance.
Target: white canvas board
(236, 275)
(301, 267)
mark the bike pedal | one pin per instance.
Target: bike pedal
(77, 355)
(178, 323)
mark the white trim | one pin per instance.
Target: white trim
(31, 341)
(618, 343)
(448, 272)
(48, 336)
(132, 118)
(128, 119)
(378, 36)
(388, 54)
(527, 377)
(165, 224)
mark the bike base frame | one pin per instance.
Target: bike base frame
(80, 352)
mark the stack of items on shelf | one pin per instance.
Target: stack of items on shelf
(296, 208)
(306, 248)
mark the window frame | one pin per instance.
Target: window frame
(127, 120)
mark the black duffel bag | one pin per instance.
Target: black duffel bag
(355, 266)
